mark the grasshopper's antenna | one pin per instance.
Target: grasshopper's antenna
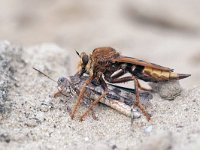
(78, 53)
(44, 74)
(49, 78)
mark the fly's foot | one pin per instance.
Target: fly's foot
(135, 114)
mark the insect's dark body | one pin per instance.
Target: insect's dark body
(108, 61)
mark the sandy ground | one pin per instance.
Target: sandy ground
(162, 32)
(33, 119)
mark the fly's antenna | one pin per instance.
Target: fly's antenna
(77, 53)
(44, 74)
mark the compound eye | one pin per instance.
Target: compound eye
(85, 59)
(61, 80)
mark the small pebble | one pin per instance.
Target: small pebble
(114, 147)
(32, 122)
(135, 114)
(86, 139)
(167, 90)
(44, 108)
(46, 105)
(5, 138)
(148, 129)
(40, 116)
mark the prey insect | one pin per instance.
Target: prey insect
(106, 64)
(118, 98)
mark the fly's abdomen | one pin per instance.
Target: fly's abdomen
(161, 75)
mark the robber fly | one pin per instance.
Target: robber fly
(106, 64)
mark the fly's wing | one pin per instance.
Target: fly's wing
(135, 61)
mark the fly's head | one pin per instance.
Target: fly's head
(85, 63)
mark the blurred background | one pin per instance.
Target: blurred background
(163, 32)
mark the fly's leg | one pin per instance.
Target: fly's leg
(137, 101)
(80, 97)
(94, 115)
(88, 104)
(118, 74)
(94, 103)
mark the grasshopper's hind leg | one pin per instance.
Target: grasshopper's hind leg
(137, 98)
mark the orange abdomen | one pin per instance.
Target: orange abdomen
(162, 75)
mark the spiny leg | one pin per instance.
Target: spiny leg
(94, 103)
(80, 97)
(118, 74)
(121, 72)
(87, 104)
(137, 100)
(93, 112)
(94, 115)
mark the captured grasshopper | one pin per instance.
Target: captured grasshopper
(118, 98)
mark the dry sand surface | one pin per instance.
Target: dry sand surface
(31, 118)
(45, 33)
